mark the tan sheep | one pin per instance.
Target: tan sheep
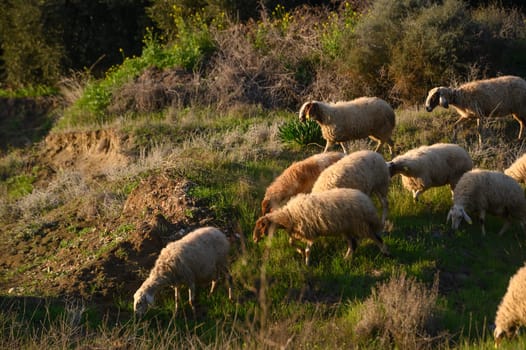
(431, 166)
(345, 121)
(517, 170)
(479, 191)
(363, 170)
(297, 178)
(496, 97)
(198, 258)
(338, 212)
(511, 313)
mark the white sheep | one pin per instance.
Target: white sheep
(338, 212)
(496, 97)
(345, 121)
(362, 170)
(479, 191)
(517, 170)
(198, 258)
(511, 313)
(297, 178)
(431, 166)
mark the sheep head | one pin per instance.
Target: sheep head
(499, 334)
(264, 227)
(304, 111)
(456, 214)
(310, 110)
(435, 97)
(141, 301)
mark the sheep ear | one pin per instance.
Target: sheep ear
(443, 101)
(466, 217)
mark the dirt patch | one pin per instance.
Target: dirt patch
(90, 152)
(102, 261)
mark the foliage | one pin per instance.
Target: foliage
(31, 51)
(303, 134)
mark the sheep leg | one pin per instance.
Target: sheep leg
(176, 295)
(346, 146)
(307, 253)
(228, 278)
(482, 218)
(385, 208)
(328, 145)
(479, 131)
(521, 125)
(380, 243)
(213, 287)
(351, 247)
(191, 293)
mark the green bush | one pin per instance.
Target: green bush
(296, 132)
(432, 51)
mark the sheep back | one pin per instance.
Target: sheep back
(511, 312)
(517, 170)
(496, 97)
(362, 170)
(349, 120)
(431, 166)
(297, 178)
(341, 211)
(491, 191)
(196, 258)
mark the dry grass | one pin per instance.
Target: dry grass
(400, 313)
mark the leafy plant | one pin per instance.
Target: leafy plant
(300, 133)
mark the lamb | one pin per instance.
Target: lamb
(431, 166)
(517, 170)
(479, 191)
(297, 178)
(496, 97)
(363, 170)
(344, 121)
(200, 257)
(340, 211)
(511, 313)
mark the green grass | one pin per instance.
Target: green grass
(279, 299)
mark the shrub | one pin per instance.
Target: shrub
(399, 314)
(300, 133)
(432, 50)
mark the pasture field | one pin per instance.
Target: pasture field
(438, 289)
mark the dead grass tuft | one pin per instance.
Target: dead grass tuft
(400, 313)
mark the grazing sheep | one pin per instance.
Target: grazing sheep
(200, 257)
(431, 166)
(297, 178)
(496, 97)
(340, 211)
(479, 191)
(517, 170)
(511, 313)
(363, 170)
(342, 122)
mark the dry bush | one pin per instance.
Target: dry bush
(400, 313)
(268, 63)
(156, 89)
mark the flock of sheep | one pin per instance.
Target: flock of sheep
(329, 194)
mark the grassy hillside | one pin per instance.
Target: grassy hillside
(191, 133)
(456, 279)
